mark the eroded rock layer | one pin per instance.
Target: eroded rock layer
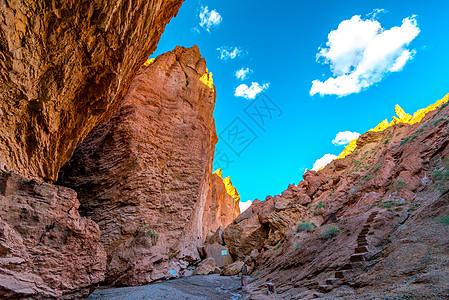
(46, 248)
(373, 224)
(145, 175)
(64, 67)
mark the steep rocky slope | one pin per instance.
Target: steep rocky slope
(372, 224)
(145, 176)
(46, 248)
(64, 67)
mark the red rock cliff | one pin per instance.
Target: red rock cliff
(64, 67)
(46, 248)
(222, 206)
(144, 176)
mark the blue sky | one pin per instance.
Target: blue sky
(279, 43)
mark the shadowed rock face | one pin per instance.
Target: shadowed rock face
(379, 219)
(64, 67)
(46, 248)
(145, 175)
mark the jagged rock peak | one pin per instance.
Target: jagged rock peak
(230, 189)
(402, 118)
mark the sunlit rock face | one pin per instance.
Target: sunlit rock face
(145, 175)
(372, 223)
(64, 67)
(402, 118)
(222, 206)
(46, 248)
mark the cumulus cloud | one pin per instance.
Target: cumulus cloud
(323, 161)
(250, 92)
(209, 19)
(229, 53)
(245, 205)
(243, 73)
(361, 53)
(345, 137)
(402, 60)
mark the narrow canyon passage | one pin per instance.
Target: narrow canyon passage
(118, 145)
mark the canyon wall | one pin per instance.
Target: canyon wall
(222, 206)
(64, 67)
(145, 176)
(371, 224)
(46, 248)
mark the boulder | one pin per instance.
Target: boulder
(243, 237)
(263, 223)
(189, 271)
(205, 267)
(233, 269)
(219, 253)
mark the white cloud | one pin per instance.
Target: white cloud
(376, 12)
(209, 19)
(345, 137)
(361, 53)
(243, 73)
(402, 60)
(323, 161)
(250, 92)
(245, 205)
(229, 52)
